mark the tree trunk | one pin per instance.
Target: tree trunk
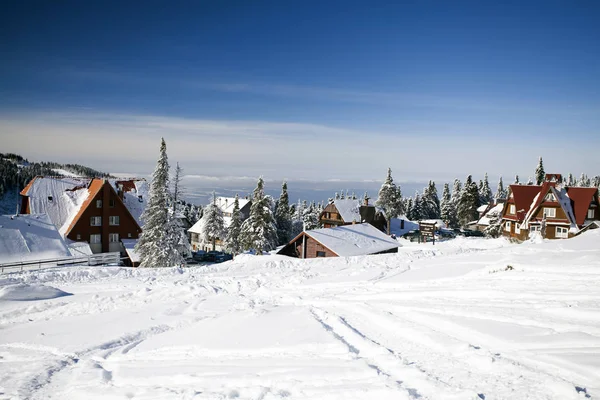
(214, 244)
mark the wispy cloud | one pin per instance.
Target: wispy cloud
(276, 150)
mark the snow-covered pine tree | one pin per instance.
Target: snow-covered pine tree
(468, 203)
(517, 180)
(390, 199)
(500, 191)
(283, 218)
(342, 196)
(448, 208)
(298, 219)
(213, 224)
(583, 180)
(456, 190)
(310, 217)
(233, 242)
(596, 181)
(155, 246)
(570, 180)
(417, 208)
(430, 202)
(540, 174)
(337, 196)
(259, 231)
(529, 181)
(178, 189)
(485, 193)
(408, 206)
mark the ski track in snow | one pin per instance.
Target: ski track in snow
(443, 322)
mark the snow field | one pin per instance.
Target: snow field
(449, 321)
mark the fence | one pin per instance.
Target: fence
(94, 259)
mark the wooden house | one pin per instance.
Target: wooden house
(556, 211)
(340, 241)
(349, 211)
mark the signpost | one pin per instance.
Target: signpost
(427, 230)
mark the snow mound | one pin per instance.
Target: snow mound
(25, 292)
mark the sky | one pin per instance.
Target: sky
(308, 91)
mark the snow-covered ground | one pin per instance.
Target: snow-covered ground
(464, 319)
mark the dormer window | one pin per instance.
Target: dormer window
(140, 199)
(50, 199)
(512, 209)
(550, 212)
(550, 197)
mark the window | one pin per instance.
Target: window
(113, 237)
(113, 220)
(517, 228)
(95, 239)
(140, 198)
(550, 197)
(535, 228)
(98, 203)
(111, 203)
(50, 199)
(550, 212)
(590, 214)
(512, 209)
(507, 226)
(562, 232)
(96, 221)
(78, 236)
(129, 235)
(321, 254)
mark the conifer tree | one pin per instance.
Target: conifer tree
(233, 242)
(408, 206)
(283, 218)
(529, 181)
(485, 193)
(213, 225)
(540, 175)
(596, 181)
(155, 245)
(456, 191)
(500, 191)
(517, 180)
(390, 199)
(259, 231)
(448, 208)
(417, 208)
(430, 203)
(298, 219)
(570, 180)
(583, 181)
(468, 203)
(310, 218)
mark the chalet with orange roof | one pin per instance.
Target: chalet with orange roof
(557, 211)
(100, 212)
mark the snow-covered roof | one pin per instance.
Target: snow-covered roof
(28, 237)
(135, 198)
(349, 209)
(62, 198)
(129, 245)
(197, 227)
(482, 208)
(495, 211)
(226, 203)
(79, 249)
(353, 240)
(59, 198)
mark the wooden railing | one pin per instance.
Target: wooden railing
(93, 260)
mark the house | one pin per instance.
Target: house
(557, 211)
(30, 237)
(487, 214)
(98, 211)
(225, 204)
(349, 211)
(340, 241)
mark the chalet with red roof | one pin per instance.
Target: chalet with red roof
(100, 212)
(557, 211)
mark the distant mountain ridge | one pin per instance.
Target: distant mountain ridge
(16, 171)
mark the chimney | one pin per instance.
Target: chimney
(120, 191)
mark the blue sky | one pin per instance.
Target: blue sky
(305, 90)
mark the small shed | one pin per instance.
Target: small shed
(340, 241)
